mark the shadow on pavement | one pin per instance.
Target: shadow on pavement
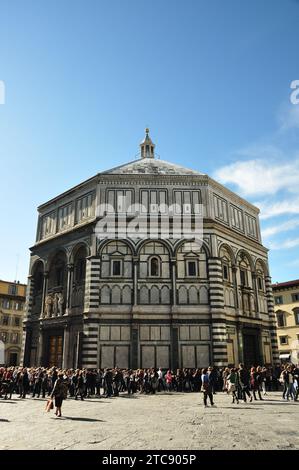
(73, 418)
(238, 408)
(103, 401)
(127, 396)
(4, 421)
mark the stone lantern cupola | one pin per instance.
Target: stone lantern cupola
(147, 147)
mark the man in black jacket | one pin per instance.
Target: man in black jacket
(244, 380)
(37, 384)
(108, 383)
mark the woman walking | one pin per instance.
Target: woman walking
(59, 392)
(233, 382)
(225, 374)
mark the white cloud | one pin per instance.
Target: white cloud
(254, 177)
(288, 117)
(278, 228)
(276, 208)
(286, 244)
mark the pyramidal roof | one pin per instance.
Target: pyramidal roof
(149, 165)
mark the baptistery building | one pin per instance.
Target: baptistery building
(113, 282)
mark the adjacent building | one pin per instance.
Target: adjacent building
(154, 301)
(12, 306)
(286, 298)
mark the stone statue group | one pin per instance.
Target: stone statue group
(54, 305)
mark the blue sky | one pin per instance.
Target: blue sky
(211, 80)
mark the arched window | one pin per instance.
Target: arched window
(80, 265)
(154, 267)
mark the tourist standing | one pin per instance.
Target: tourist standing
(255, 382)
(206, 387)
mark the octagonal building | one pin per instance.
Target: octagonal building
(139, 302)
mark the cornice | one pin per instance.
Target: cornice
(234, 197)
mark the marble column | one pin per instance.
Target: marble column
(66, 344)
(41, 345)
(173, 280)
(44, 294)
(135, 281)
(234, 271)
(255, 291)
(240, 344)
(70, 277)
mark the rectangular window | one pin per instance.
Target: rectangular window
(5, 320)
(110, 201)
(153, 201)
(196, 202)
(6, 304)
(119, 201)
(280, 320)
(116, 267)
(12, 289)
(283, 340)
(64, 217)
(295, 297)
(17, 321)
(278, 300)
(260, 283)
(296, 313)
(225, 272)
(186, 202)
(251, 226)
(191, 268)
(237, 218)
(48, 226)
(85, 207)
(220, 207)
(144, 202)
(178, 202)
(243, 277)
(162, 202)
(14, 338)
(128, 201)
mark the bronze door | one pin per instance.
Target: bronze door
(251, 353)
(55, 351)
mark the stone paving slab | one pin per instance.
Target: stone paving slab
(163, 421)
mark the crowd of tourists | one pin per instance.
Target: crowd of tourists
(239, 382)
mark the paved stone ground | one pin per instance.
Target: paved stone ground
(164, 421)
